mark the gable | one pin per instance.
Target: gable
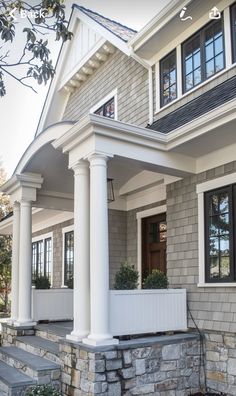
(84, 41)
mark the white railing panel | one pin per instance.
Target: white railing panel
(52, 304)
(147, 311)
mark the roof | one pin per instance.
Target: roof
(123, 32)
(204, 103)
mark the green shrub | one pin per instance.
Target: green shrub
(126, 278)
(70, 283)
(43, 390)
(42, 282)
(156, 280)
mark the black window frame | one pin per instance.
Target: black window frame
(46, 264)
(233, 30)
(231, 190)
(102, 109)
(201, 33)
(68, 273)
(166, 58)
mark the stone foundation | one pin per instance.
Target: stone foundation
(220, 357)
(9, 333)
(160, 366)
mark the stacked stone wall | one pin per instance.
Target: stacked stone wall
(160, 368)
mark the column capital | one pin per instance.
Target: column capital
(80, 167)
(16, 206)
(98, 159)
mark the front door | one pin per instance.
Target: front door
(154, 235)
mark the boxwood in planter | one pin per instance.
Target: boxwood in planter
(156, 280)
(126, 278)
(42, 282)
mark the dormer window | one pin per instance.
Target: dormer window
(203, 55)
(107, 109)
(168, 79)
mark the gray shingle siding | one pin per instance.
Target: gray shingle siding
(212, 308)
(131, 81)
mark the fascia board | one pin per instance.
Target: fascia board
(211, 120)
(157, 23)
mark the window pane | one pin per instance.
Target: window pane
(107, 110)
(219, 62)
(48, 258)
(197, 76)
(189, 81)
(210, 69)
(219, 231)
(218, 45)
(189, 65)
(209, 52)
(69, 258)
(197, 59)
(168, 79)
(233, 31)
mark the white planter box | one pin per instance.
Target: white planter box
(52, 304)
(147, 311)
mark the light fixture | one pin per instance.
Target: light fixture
(110, 191)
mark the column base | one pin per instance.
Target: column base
(77, 336)
(100, 340)
(22, 323)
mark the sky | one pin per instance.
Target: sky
(20, 109)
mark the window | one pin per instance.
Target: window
(107, 109)
(220, 226)
(42, 258)
(233, 26)
(168, 78)
(203, 55)
(68, 257)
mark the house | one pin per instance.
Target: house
(152, 115)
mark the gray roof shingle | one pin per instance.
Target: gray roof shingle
(119, 30)
(208, 101)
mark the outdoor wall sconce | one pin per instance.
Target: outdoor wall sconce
(110, 191)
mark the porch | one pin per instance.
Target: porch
(99, 314)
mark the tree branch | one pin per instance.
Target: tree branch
(17, 79)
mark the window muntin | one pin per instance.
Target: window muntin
(107, 109)
(233, 31)
(203, 55)
(168, 79)
(219, 229)
(68, 257)
(42, 258)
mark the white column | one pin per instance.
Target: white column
(15, 262)
(99, 254)
(81, 253)
(25, 264)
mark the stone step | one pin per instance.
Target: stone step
(40, 347)
(13, 382)
(54, 331)
(38, 368)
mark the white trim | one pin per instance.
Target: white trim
(200, 189)
(227, 38)
(64, 230)
(216, 284)
(139, 217)
(104, 100)
(42, 237)
(216, 183)
(150, 94)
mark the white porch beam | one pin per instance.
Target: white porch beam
(15, 262)
(81, 253)
(99, 254)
